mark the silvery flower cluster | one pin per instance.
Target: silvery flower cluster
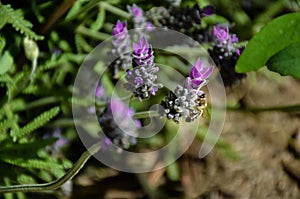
(184, 101)
(141, 79)
(120, 53)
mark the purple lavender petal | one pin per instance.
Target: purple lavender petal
(221, 32)
(195, 73)
(198, 64)
(137, 48)
(61, 141)
(208, 10)
(197, 82)
(138, 123)
(149, 26)
(138, 81)
(141, 46)
(154, 90)
(117, 106)
(196, 69)
(119, 28)
(106, 143)
(129, 73)
(122, 110)
(238, 51)
(234, 38)
(207, 72)
(99, 91)
(136, 11)
(199, 73)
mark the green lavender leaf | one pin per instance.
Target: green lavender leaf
(30, 163)
(36, 123)
(10, 16)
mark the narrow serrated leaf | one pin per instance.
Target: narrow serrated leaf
(45, 175)
(30, 163)
(28, 146)
(38, 122)
(16, 19)
(25, 179)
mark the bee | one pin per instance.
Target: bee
(201, 103)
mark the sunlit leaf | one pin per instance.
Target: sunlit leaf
(275, 36)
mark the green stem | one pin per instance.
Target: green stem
(34, 65)
(66, 123)
(145, 114)
(39, 102)
(57, 183)
(290, 108)
(182, 51)
(114, 10)
(70, 121)
(87, 7)
(92, 33)
(152, 193)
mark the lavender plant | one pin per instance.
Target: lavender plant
(35, 99)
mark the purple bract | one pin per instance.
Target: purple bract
(120, 28)
(221, 33)
(199, 73)
(207, 10)
(137, 12)
(143, 54)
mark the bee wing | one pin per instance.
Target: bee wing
(205, 113)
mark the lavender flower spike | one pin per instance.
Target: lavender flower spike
(140, 22)
(136, 12)
(140, 80)
(118, 133)
(120, 45)
(199, 74)
(225, 53)
(188, 101)
(120, 35)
